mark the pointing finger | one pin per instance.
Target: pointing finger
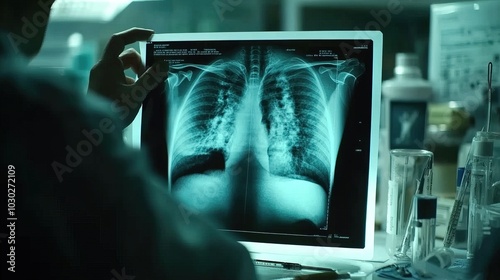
(118, 41)
(132, 59)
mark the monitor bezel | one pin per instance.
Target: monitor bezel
(313, 254)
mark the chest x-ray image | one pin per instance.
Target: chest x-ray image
(254, 130)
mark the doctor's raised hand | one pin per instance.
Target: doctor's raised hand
(108, 79)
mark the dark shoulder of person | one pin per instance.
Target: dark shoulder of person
(88, 207)
(49, 122)
(56, 142)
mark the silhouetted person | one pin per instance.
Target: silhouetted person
(83, 205)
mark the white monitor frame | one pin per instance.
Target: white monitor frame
(313, 254)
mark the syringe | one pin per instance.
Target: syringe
(457, 206)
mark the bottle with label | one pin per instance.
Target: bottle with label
(405, 99)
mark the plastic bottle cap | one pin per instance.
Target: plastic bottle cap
(483, 148)
(407, 65)
(426, 206)
(406, 59)
(407, 83)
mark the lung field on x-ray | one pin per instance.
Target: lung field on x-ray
(206, 121)
(293, 96)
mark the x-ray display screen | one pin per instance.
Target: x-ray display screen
(270, 138)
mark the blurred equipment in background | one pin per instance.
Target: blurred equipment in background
(447, 125)
(88, 10)
(82, 58)
(481, 173)
(464, 37)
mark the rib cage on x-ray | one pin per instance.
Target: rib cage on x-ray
(206, 123)
(294, 97)
(293, 105)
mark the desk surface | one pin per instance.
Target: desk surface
(366, 268)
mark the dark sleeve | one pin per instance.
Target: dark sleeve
(87, 206)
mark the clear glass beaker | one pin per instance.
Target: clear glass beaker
(410, 174)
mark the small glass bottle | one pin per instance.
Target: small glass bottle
(424, 234)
